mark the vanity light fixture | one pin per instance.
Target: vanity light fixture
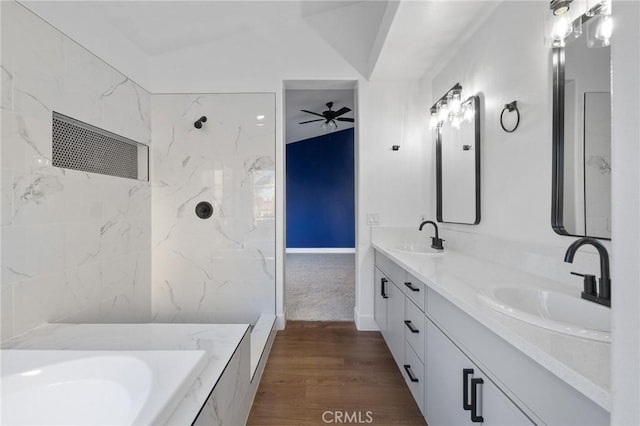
(560, 7)
(468, 111)
(433, 121)
(600, 26)
(559, 25)
(450, 108)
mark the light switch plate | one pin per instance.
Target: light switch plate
(373, 219)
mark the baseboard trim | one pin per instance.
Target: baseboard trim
(281, 321)
(320, 250)
(364, 322)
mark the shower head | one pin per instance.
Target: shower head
(198, 124)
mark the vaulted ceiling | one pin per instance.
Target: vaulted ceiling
(163, 45)
(378, 38)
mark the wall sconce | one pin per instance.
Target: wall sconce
(450, 108)
(565, 20)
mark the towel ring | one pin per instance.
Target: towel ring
(510, 107)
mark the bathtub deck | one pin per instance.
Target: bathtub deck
(220, 341)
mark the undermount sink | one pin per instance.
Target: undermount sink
(423, 249)
(553, 310)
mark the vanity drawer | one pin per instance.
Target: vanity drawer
(414, 332)
(413, 370)
(415, 290)
(391, 270)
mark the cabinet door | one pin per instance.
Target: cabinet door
(444, 381)
(395, 323)
(448, 373)
(381, 285)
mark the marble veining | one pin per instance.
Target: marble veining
(221, 269)
(460, 277)
(75, 245)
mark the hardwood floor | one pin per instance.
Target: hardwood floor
(330, 373)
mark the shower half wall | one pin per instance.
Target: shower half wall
(220, 269)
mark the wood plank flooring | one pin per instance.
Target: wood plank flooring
(331, 370)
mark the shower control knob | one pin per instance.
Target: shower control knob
(204, 210)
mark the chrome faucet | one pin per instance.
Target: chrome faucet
(436, 242)
(603, 294)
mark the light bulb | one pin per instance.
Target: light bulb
(455, 122)
(604, 29)
(577, 28)
(455, 103)
(433, 121)
(469, 113)
(561, 28)
(443, 111)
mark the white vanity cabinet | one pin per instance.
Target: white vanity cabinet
(398, 309)
(381, 286)
(459, 393)
(389, 314)
(436, 344)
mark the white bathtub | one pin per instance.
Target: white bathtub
(65, 387)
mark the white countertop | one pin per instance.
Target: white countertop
(218, 340)
(459, 278)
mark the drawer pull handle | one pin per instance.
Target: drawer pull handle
(413, 378)
(465, 388)
(475, 418)
(383, 288)
(408, 284)
(411, 327)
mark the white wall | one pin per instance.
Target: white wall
(390, 183)
(625, 53)
(502, 66)
(75, 245)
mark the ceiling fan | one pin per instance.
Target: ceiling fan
(329, 116)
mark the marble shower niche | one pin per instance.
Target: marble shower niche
(220, 269)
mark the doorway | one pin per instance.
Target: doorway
(320, 158)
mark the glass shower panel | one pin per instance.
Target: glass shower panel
(220, 269)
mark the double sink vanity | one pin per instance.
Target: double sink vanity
(489, 330)
(482, 342)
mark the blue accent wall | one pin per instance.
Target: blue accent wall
(320, 192)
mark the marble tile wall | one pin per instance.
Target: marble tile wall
(75, 245)
(220, 269)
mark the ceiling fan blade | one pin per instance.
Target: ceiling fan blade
(341, 111)
(350, 120)
(311, 112)
(311, 121)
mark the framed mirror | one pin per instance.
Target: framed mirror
(581, 203)
(458, 167)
